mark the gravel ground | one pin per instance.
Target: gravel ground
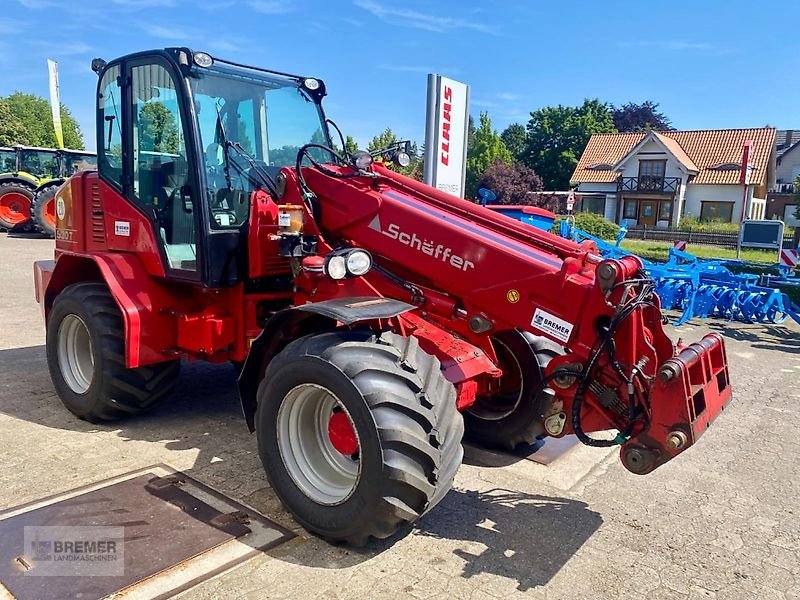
(723, 521)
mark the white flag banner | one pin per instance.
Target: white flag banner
(55, 101)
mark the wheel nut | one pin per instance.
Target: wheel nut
(676, 440)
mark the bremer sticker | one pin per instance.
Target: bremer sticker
(552, 325)
(122, 228)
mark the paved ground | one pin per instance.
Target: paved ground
(721, 522)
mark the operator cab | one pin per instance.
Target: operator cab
(187, 138)
(40, 162)
(8, 160)
(75, 161)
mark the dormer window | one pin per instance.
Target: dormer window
(730, 166)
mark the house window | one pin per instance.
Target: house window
(651, 174)
(716, 211)
(630, 211)
(594, 204)
(789, 215)
(665, 210)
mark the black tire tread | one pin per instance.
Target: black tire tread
(37, 207)
(511, 432)
(399, 381)
(125, 391)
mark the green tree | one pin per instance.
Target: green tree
(34, 114)
(158, 129)
(486, 148)
(350, 145)
(470, 130)
(515, 138)
(639, 117)
(11, 129)
(796, 198)
(557, 135)
(388, 137)
(383, 140)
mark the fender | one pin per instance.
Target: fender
(148, 330)
(49, 183)
(20, 178)
(292, 323)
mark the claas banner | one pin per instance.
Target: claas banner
(446, 134)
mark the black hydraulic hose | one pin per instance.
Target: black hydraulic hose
(577, 403)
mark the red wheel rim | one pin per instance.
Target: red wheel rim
(343, 436)
(15, 208)
(49, 212)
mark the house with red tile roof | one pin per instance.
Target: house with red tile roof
(655, 178)
(781, 203)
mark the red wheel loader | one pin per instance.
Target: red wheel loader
(376, 318)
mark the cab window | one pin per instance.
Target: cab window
(109, 152)
(162, 185)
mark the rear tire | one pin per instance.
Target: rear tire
(86, 358)
(15, 205)
(43, 213)
(403, 414)
(509, 419)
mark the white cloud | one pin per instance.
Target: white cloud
(144, 3)
(10, 26)
(271, 7)
(167, 33)
(678, 45)
(417, 69)
(419, 20)
(35, 4)
(55, 49)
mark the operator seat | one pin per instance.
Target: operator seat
(179, 208)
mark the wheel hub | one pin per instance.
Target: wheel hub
(75, 356)
(343, 436)
(15, 207)
(318, 444)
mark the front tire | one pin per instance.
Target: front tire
(86, 358)
(359, 434)
(510, 417)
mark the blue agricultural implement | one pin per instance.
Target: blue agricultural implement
(700, 288)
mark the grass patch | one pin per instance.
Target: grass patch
(658, 251)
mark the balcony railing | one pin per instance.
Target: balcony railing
(649, 184)
(783, 188)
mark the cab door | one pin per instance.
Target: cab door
(146, 152)
(163, 174)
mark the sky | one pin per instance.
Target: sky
(709, 63)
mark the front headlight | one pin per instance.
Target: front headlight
(362, 160)
(359, 262)
(347, 262)
(336, 267)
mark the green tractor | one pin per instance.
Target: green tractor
(22, 171)
(43, 211)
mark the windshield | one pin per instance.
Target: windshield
(8, 161)
(269, 116)
(40, 163)
(75, 163)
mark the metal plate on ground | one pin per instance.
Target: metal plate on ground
(546, 451)
(174, 532)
